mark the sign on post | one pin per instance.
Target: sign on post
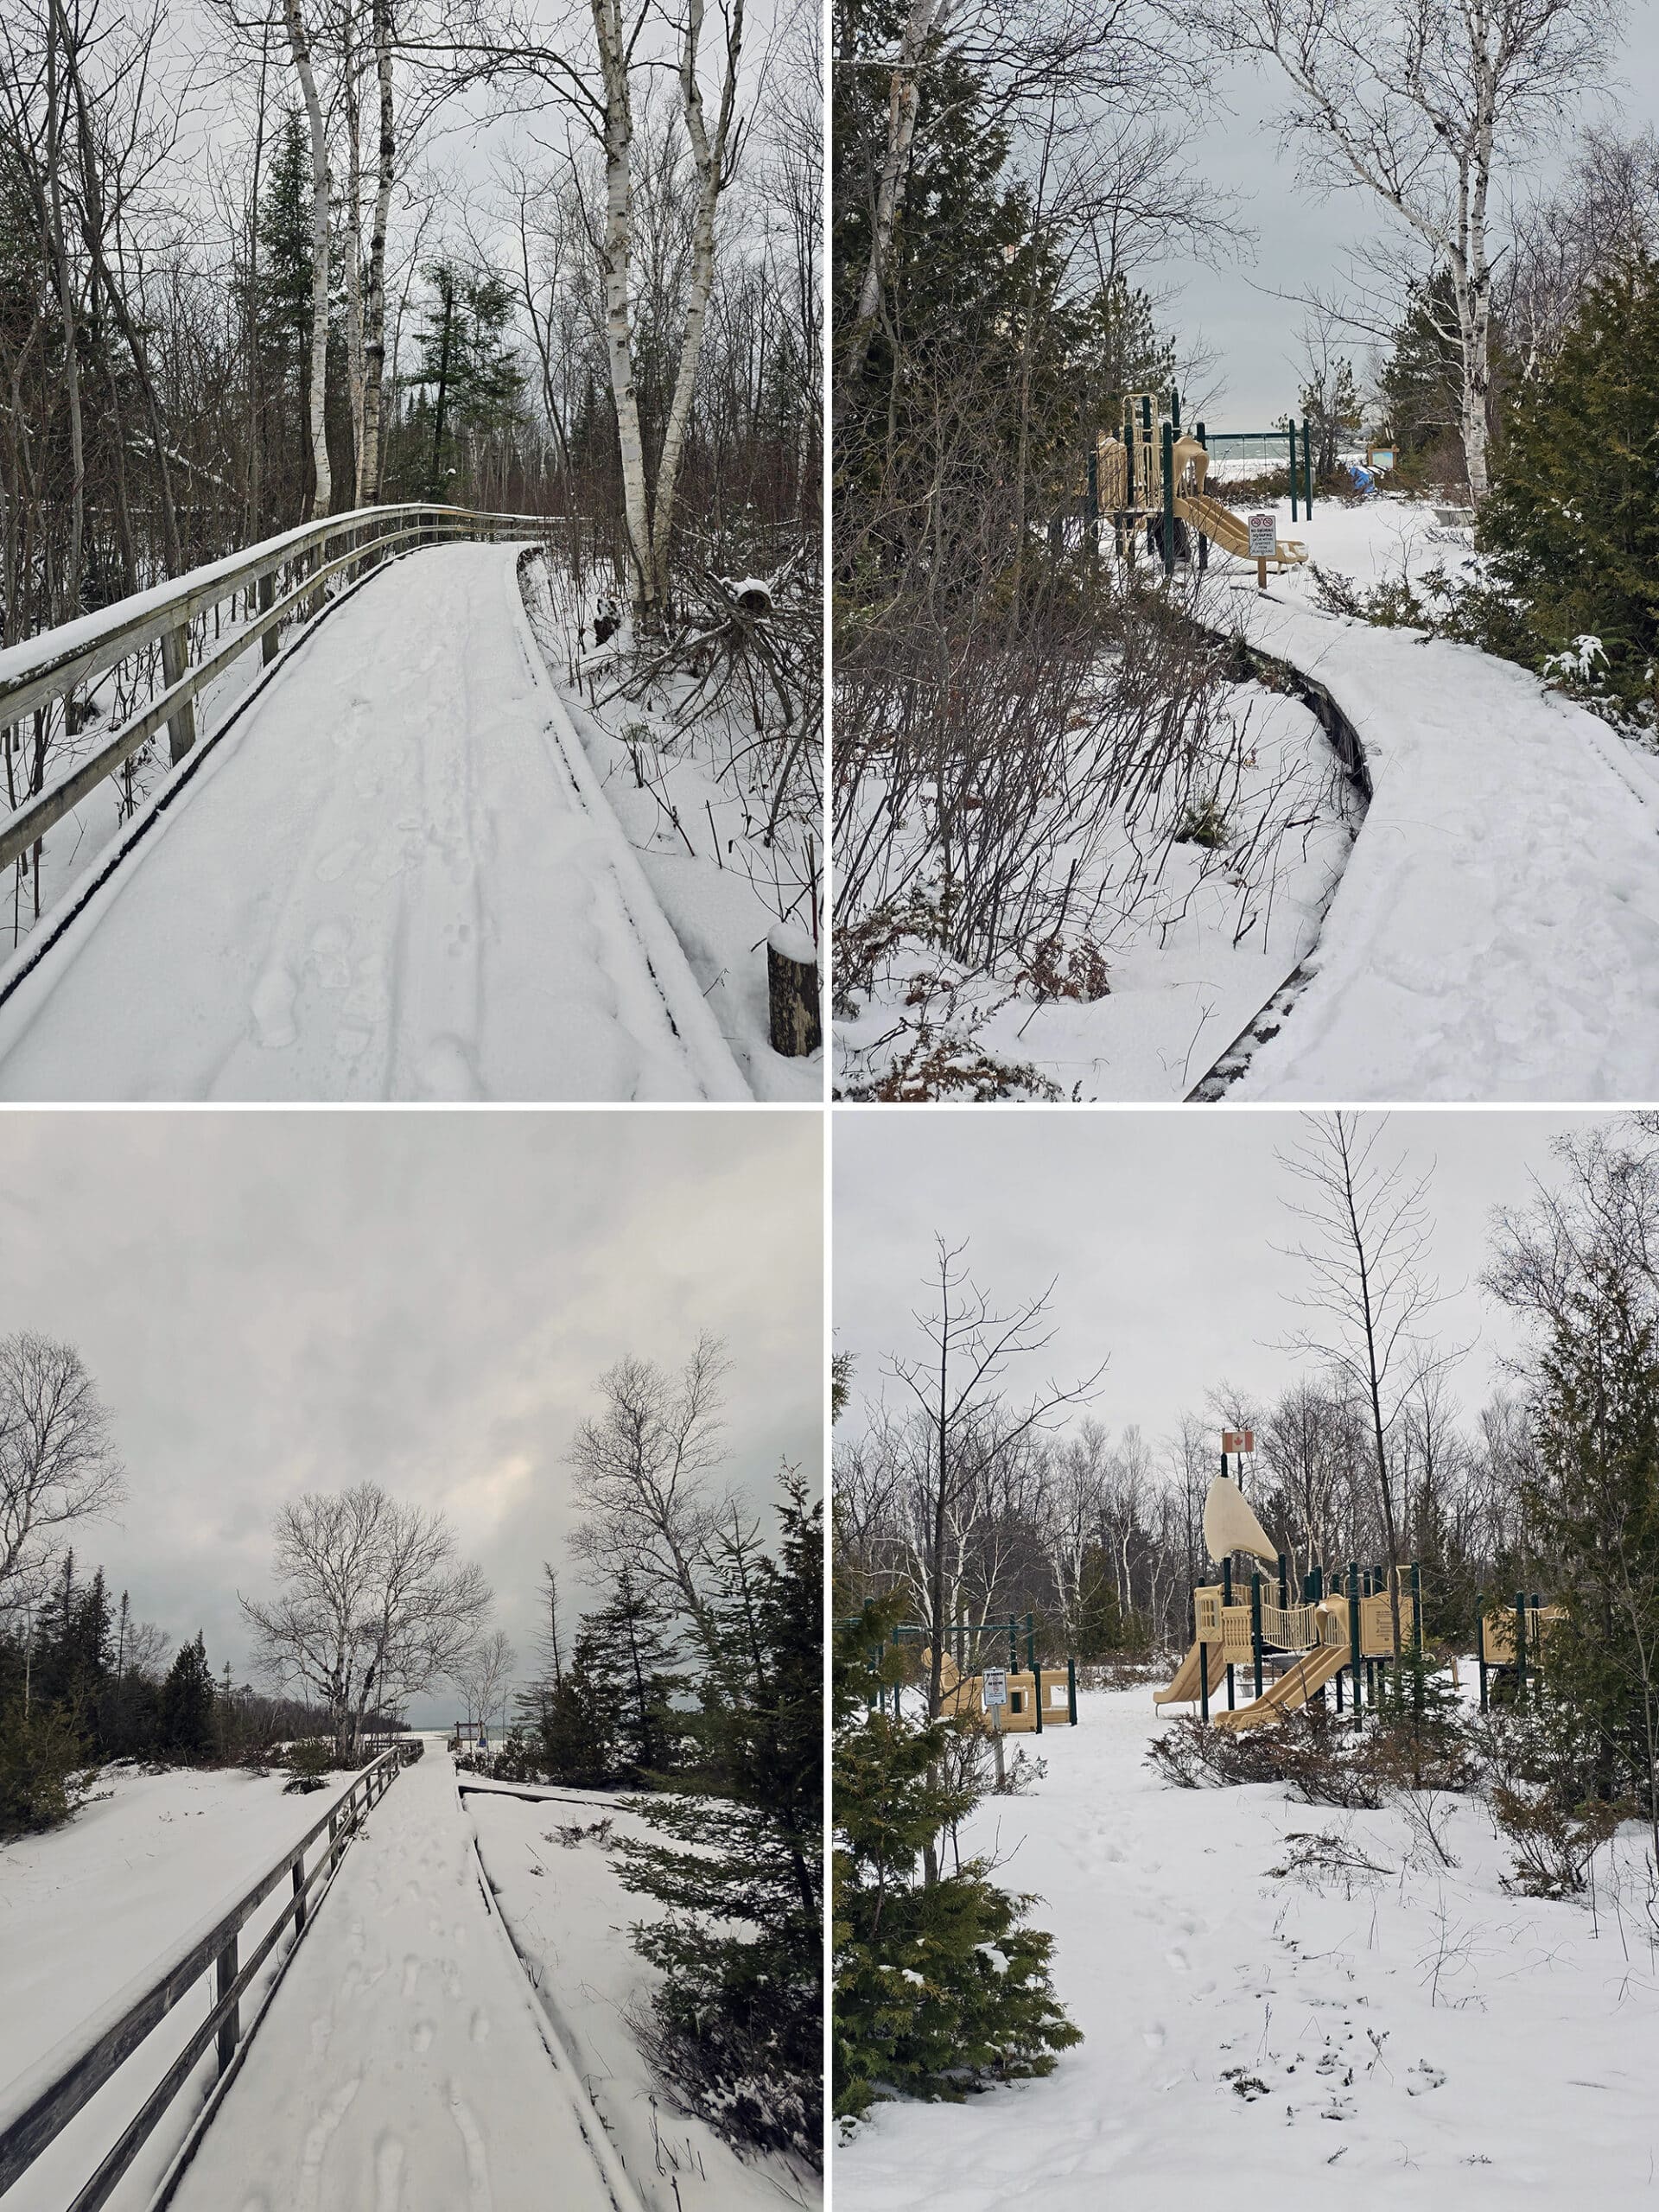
(1264, 543)
(995, 1687)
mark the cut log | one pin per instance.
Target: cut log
(792, 992)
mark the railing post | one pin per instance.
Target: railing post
(299, 1899)
(175, 662)
(230, 2028)
(267, 600)
(1355, 1656)
(1256, 1626)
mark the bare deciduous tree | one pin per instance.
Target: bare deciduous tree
(58, 1461)
(1421, 104)
(374, 1604)
(643, 1469)
(484, 1675)
(1370, 1293)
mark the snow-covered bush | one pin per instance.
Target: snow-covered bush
(44, 1777)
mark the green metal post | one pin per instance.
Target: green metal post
(1354, 1660)
(1226, 1600)
(1094, 499)
(1146, 487)
(1072, 1690)
(1417, 1636)
(1307, 469)
(1175, 408)
(1521, 1647)
(1036, 1671)
(1204, 543)
(1168, 457)
(1255, 1625)
(1293, 468)
(1204, 1682)
(1031, 1639)
(1014, 1645)
(1284, 1582)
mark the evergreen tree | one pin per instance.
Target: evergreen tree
(467, 372)
(578, 1725)
(738, 1868)
(1573, 518)
(186, 1706)
(1596, 1514)
(632, 1631)
(1420, 382)
(940, 1985)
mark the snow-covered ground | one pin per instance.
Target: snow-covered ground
(697, 821)
(394, 877)
(88, 1908)
(1204, 946)
(403, 2066)
(1415, 2038)
(1496, 931)
(1487, 928)
(569, 1916)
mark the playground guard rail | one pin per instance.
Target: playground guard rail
(45, 2099)
(39, 671)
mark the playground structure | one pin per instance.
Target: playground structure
(1511, 1642)
(1297, 1634)
(1152, 476)
(1039, 1696)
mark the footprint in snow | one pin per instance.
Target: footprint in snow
(411, 1973)
(480, 2029)
(272, 1009)
(1423, 2077)
(1176, 1960)
(388, 2174)
(1153, 2038)
(420, 2037)
(333, 865)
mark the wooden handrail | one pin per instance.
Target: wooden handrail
(46, 2099)
(40, 670)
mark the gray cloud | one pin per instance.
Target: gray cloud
(1159, 1227)
(279, 1301)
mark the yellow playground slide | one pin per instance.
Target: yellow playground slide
(1231, 532)
(1183, 1690)
(1293, 1689)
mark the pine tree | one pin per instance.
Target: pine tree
(1595, 1511)
(941, 1988)
(467, 365)
(186, 1710)
(578, 1725)
(1573, 518)
(631, 1629)
(739, 1869)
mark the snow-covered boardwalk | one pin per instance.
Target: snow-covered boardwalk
(1495, 933)
(400, 2067)
(394, 877)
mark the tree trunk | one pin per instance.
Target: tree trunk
(374, 309)
(709, 158)
(71, 594)
(902, 107)
(356, 369)
(615, 258)
(299, 48)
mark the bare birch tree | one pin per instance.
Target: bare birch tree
(1423, 103)
(298, 46)
(58, 1461)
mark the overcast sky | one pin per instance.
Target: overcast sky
(276, 1302)
(1159, 1227)
(1304, 237)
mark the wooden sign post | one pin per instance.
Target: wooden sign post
(993, 1693)
(1264, 543)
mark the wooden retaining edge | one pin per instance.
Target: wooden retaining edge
(1349, 747)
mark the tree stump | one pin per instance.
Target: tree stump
(792, 992)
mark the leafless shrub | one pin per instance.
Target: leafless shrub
(1552, 1844)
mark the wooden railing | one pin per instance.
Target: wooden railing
(44, 2101)
(43, 670)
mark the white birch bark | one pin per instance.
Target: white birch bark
(374, 307)
(709, 156)
(300, 51)
(903, 100)
(616, 257)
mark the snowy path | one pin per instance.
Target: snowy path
(1415, 2040)
(400, 2067)
(1495, 933)
(394, 878)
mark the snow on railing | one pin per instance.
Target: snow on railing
(42, 2103)
(41, 671)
